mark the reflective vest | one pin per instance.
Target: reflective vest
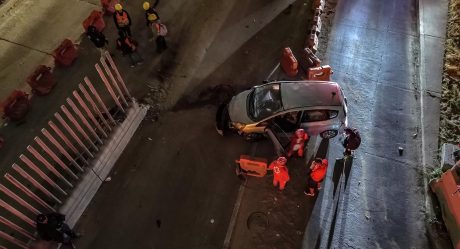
(318, 173)
(122, 19)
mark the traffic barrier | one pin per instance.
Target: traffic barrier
(52, 174)
(289, 63)
(447, 189)
(312, 41)
(319, 73)
(16, 105)
(41, 80)
(95, 19)
(252, 166)
(65, 54)
(309, 59)
(108, 6)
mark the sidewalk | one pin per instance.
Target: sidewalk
(432, 20)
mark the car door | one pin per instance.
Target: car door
(279, 137)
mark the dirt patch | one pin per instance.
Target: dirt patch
(450, 101)
(214, 95)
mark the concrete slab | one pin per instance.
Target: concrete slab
(432, 62)
(433, 17)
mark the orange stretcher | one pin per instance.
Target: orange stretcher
(252, 166)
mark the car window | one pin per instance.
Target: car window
(288, 121)
(265, 101)
(318, 115)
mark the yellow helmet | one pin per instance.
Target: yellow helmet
(146, 5)
(152, 17)
(118, 7)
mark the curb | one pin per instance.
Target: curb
(432, 234)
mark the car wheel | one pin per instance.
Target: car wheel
(329, 134)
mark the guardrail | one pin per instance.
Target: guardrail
(53, 168)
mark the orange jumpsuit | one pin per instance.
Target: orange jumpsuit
(280, 174)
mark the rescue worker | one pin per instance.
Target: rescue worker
(298, 143)
(151, 13)
(280, 172)
(52, 227)
(128, 46)
(318, 172)
(162, 31)
(98, 38)
(352, 140)
(122, 19)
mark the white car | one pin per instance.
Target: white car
(319, 107)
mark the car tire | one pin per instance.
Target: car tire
(329, 134)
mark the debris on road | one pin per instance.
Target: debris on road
(108, 179)
(212, 221)
(400, 150)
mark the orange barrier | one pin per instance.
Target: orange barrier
(252, 166)
(289, 63)
(312, 41)
(108, 6)
(16, 106)
(447, 189)
(309, 59)
(65, 54)
(41, 80)
(95, 19)
(319, 73)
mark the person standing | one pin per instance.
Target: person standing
(98, 38)
(318, 170)
(352, 140)
(128, 46)
(280, 172)
(122, 19)
(151, 13)
(162, 31)
(298, 141)
(52, 227)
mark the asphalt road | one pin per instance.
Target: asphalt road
(373, 49)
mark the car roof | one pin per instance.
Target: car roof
(298, 94)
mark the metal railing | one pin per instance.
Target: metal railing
(49, 169)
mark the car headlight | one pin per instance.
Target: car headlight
(238, 126)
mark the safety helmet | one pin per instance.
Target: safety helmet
(325, 162)
(281, 160)
(118, 7)
(146, 5)
(152, 17)
(300, 132)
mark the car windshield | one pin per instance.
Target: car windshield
(264, 101)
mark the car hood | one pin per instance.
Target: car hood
(237, 108)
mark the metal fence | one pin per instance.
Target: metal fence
(50, 168)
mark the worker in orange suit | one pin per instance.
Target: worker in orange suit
(318, 172)
(122, 19)
(298, 141)
(280, 172)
